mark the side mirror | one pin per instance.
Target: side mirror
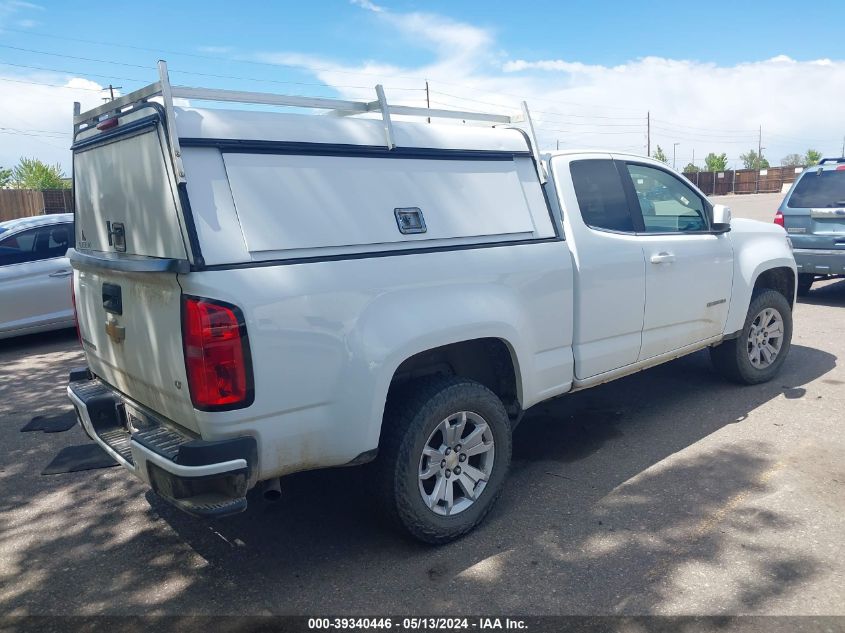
(721, 218)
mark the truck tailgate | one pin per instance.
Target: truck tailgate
(129, 224)
(139, 350)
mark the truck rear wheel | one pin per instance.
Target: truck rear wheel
(444, 455)
(760, 350)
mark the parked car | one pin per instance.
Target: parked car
(262, 293)
(813, 214)
(34, 274)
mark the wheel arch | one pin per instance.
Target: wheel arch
(754, 269)
(779, 278)
(490, 361)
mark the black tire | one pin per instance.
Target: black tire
(731, 357)
(805, 282)
(412, 414)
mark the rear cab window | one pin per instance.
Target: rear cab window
(821, 189)
(601, 196)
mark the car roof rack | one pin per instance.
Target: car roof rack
(336, 107)
(832, 160)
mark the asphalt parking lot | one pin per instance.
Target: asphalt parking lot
(760, 206)
(667, 492)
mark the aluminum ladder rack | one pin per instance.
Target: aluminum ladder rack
(336, 107)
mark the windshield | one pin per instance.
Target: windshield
(819, 190)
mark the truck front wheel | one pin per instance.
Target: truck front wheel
(760, 350)
(443, 457)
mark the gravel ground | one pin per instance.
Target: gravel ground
(667, 492)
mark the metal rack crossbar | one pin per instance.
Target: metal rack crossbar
(336, 107)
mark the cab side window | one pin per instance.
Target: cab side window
(600, 195)
(667, 204)
(45, 242)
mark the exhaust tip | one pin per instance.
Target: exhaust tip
(272, 490)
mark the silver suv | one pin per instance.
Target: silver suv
(813, 214)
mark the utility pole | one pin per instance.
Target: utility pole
(648, 132)
(427, 98)
(843, 147)
(558, 144)
(759, 160)
(674, 147)
(111, 92)
(693, 157)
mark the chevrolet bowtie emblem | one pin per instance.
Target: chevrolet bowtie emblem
(116, 332)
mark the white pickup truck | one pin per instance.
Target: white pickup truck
(260, 293)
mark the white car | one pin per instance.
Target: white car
(261, 293)
(35, 291)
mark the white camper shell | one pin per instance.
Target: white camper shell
(260, 293)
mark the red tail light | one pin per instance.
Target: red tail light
(75, 314)
(217, 355)
(779, 218)
(107, 124)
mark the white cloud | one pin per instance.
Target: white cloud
(369, 6)
(215, 50)
(37, 120)
(701, 105)
(10, 9)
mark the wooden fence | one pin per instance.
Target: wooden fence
(22, 203)
(769, 180)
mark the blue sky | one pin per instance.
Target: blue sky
(709, 76)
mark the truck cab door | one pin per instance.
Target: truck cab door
(609, 297)
(689, 269)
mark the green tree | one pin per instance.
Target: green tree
(752, 161)
(660, 155)
(691, 169)
(5, 177)
(812, 157)
(31, 173)
(716, 162)
(792, 160)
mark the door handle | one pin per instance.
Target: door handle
(662, 258)
(61, 273)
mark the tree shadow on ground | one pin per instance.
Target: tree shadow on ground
(593, 520)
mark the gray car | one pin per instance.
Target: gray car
(35, 274)
(813, 214)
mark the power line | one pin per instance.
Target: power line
(40, 83)
(687, 136)
(589, 116)
(12, 129)
(703, 129)
(44, 136)
(553, 116)
(179, 71)
(704, 135)
(71, 72)
(522, 98)
(270, 64)
(159, 51)
(585, 133)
